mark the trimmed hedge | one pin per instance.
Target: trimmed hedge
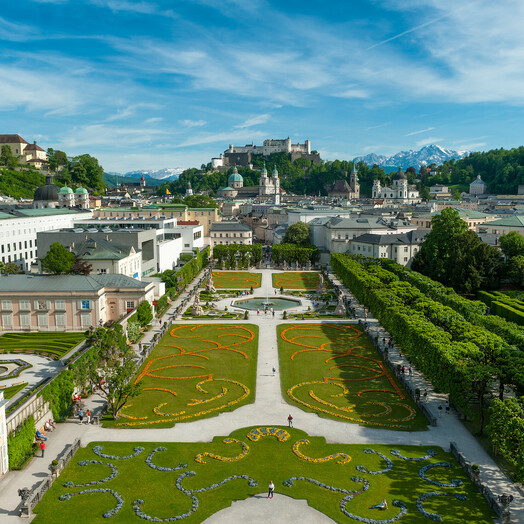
(20, 443)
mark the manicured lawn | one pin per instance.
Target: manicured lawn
(196, 371)
(11, 391)
(52, 344)
(297, 280)
(362, 478)
(236, 279)
(333, 370)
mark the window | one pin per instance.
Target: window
(2, 248)
(7, 305)
(25, 320)
(60, 305)
(130, 304)
(102, 271)
(60, 319)
(405, 250)
(85, 318)
(43, 320)
(25, 305)
(42, 305)
(7, 320)
(85, 304)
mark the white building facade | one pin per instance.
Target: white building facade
(399, 192)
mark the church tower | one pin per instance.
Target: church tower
(189, 190)
(276, 185)
(142, 182)
(353, 182)
(263, 183)
(376, 191)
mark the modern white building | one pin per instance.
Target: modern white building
(19, 229)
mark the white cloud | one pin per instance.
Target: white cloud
(353, 93)
(192, 123)
(153, 120)
(254, 121)
(378, 126)
(429, 140)
(420, 131)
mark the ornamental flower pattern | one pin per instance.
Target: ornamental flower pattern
(97, 450)
(149, 461)
(434, 516)
(281, 434)
(344, 458)
(245, 450)
(114, 473)
(430, 453)
(107, 514)
(454, 482)
(389, 464)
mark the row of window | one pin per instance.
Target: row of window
(7, 247)
(43, 320)
(233, 235)
(43, 305)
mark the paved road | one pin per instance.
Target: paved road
(269, 408)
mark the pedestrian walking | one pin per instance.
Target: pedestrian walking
(271, 490)
(42, 447)
(447, 407)
(400, 353)
(290, 421)
(425, 395)
(410, 371)
(258, 311)
(274, 371)
(439, 410)
(403, 370)
(273, 312)
(88, 416)
(80, 416)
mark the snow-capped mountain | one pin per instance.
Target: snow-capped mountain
(432, 154)
(168, 173)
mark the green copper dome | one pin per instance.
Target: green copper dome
(65, 190)
(81, 191)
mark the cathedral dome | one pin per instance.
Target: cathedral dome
(400, 175)
(234, 177)
(47, 193)
(81, 191)
(66, 190)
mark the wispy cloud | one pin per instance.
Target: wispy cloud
(192, 123)
(429, 140)
(222, 137)
(254, 121)
(378, 126)
(420, 131)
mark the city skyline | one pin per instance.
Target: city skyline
(147, 85)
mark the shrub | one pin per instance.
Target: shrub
(144, 313)
(20, 443)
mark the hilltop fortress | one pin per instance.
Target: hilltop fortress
(242, 155)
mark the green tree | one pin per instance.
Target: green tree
(56, 159)
(144, 313)
(58, 260)
(297, 233)
(7, 158)
(10, 268)
(512, 244)
(424, 194)
(87, 172)
(456, 196)
(516, 270)
(133, 331)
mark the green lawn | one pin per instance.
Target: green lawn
(236, 279)
(296, 280)
(52, 344)
(11, 391)
(334, 370)
(293, 454)
(196, 371)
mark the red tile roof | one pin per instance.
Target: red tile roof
(33, 147)
(12, 139)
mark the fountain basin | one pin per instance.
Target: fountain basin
(277, 303)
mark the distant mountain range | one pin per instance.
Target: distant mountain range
(154, 177)
(432, 154)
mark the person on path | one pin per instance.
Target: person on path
(80, 415)
(274, 371)
(290, 421)
(88, 416)
(410, 371)
(42, 447)
(447, 407)
(273, 312)
(425, 395)
(403, 370)
(271, 490)
(439, 410)
(258, 311)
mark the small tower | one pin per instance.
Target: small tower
(82, 197)
(276, 185)
(262, 184)
(142, 182)
(353, 182)
(376, 191)
(189, 190)
(66, 197)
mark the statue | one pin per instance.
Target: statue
(284, 266)
(309, 265)
(197, 308)
(341, 308)
(321, 288)
(210, 288)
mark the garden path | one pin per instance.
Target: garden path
(269, 408)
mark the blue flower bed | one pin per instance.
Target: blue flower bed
(389, 464)
(454, 482)
(97, 450)
(160, 468)
(430, 453)
(114, 473)
(434, 516)
(22, 366)
(107, 514)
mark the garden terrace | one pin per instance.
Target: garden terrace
(236, 280)
(196, 371)
(296, 280)
(334, 370)
(192, 481)
(54, 345)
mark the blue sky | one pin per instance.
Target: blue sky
(150, 84)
